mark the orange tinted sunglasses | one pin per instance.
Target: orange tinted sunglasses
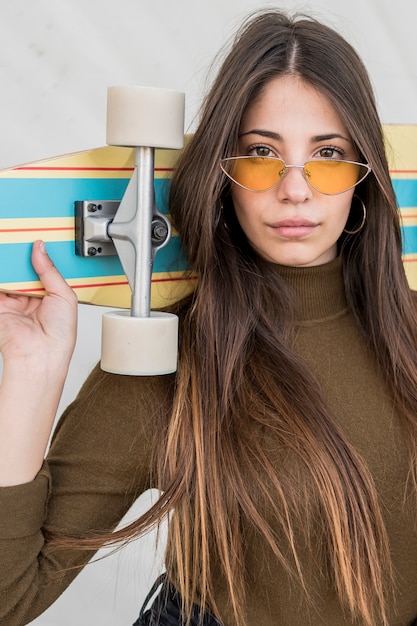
(328, 176)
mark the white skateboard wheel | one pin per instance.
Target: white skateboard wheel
(139, 346)
(145, 117)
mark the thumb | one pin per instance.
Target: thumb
(51, 279)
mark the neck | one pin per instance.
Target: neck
(319, 289)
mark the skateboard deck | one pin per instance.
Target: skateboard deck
(37, 202)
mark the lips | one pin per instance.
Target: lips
(294, 228)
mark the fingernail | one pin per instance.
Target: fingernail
(42, 247)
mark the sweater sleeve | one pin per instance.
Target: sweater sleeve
(98, 463)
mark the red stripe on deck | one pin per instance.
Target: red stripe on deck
(108, 284)
(117, 284)
(403, 171)
(86, 169)
(36, 230)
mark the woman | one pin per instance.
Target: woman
(285, 445)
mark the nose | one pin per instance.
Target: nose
(294, 187)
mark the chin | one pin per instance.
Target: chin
(300, 260)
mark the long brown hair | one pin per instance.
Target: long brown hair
(238, 377)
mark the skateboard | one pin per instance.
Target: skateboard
(39, 201)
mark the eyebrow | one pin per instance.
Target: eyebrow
(315, 139)
(263, 133)
(329, 136)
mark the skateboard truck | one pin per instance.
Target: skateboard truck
(139, 341)
(93, 221)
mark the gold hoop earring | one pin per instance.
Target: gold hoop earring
(362, 224)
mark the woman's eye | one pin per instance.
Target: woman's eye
(330, 153)
(261, 151)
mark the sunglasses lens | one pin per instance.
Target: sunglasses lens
(254, 173)
(332, 177)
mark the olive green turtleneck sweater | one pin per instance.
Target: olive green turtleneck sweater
(99, 462)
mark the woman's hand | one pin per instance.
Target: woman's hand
(37, 338)
(32, 327)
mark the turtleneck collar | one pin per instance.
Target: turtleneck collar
(320, 289)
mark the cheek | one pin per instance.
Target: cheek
(245, 209)
(341, 213)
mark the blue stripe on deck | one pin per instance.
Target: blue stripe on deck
(409, 238)
(15, 263)
(55, 197)
(406, 192)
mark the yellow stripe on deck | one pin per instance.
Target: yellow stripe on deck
(165, 290)
(400, 145)
(410, 267)
(409, 216)
(106, 162)
(114, 291)
(27, 229)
